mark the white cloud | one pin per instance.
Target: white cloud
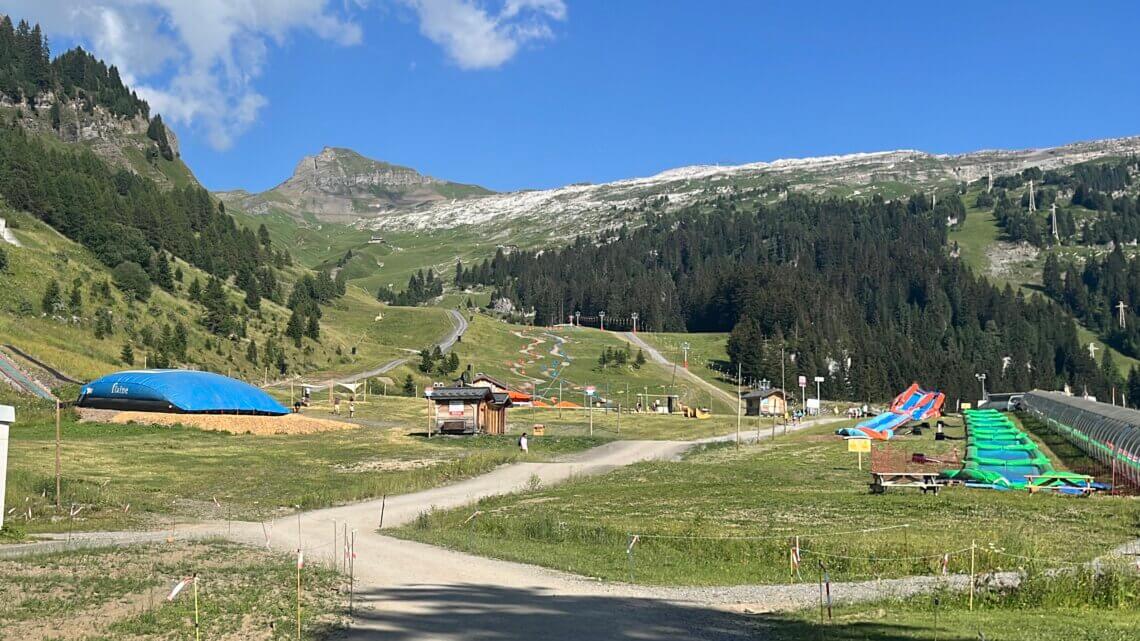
(475, 38)
(194, 61)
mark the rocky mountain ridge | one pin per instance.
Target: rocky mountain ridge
(341, 185)
(121, 142)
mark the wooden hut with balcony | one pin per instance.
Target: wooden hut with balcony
(467, 410)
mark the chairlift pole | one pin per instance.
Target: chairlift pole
(738, 417)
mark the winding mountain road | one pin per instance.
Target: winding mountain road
(458, 327)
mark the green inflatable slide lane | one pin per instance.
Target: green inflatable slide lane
(1001, 456)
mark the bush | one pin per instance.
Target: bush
(132, 278)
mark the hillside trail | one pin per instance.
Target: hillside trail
(458, 327)
(659, 358)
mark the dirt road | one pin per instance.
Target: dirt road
(458, 327)
(412, 591)
(657, 357)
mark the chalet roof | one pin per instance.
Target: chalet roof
(765, 393)
(501, 398)
(441, 394)
(490, 379)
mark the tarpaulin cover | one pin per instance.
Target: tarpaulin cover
(183, 391)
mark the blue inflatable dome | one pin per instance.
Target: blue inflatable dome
(179, 391)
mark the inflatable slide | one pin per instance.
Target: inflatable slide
(998, 455)
(914, 404)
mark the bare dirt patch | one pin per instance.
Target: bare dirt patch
(388, 465)
(256, 425)
(1007, 258)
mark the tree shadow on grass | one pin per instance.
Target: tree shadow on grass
(477, 612)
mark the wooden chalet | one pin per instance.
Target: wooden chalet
(467, 409)
(765, 402)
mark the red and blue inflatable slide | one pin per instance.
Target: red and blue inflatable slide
(914, 404)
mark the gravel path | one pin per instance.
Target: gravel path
(458, 327)
(657, 357)
(408, 590)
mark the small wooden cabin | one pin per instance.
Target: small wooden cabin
(467, 410)
(766, 402)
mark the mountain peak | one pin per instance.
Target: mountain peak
(343, 185)
(343, 171)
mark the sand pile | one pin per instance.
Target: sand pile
(258, 425)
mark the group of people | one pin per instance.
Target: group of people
(351, 405)
(306, 400)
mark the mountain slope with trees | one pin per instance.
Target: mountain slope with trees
(860, 291)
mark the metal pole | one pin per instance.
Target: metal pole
(351, 571)
(298, 595)
(973, 547)
(591, 413)
(197, 630)
(785, 391)
(738, 417)
(57, 443)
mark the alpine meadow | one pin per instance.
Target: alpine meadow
(458, 319)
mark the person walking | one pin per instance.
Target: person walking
(523, 443)
(336, 405)
(351, 409)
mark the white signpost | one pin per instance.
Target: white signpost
(590, 391)
(7, 417)
(803, 392)
(818, 380)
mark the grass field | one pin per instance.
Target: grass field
(514, 354)
(805, 485)
(177, 473)
(243, 593)
(629, 426)
(1079, 605)
(708, 354)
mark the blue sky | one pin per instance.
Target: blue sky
(592, 91)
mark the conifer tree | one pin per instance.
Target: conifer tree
(295, 329)
(52, 302)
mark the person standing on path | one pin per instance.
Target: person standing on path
(336, 405)
(351, 409)
(523, 444)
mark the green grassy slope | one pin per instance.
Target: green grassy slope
(70, 344)
(514, 354)
(980, 231)
(708, 351)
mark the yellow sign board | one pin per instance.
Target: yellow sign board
(858, 445)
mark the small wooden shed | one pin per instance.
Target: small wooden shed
(467, 410)
(766, 402)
